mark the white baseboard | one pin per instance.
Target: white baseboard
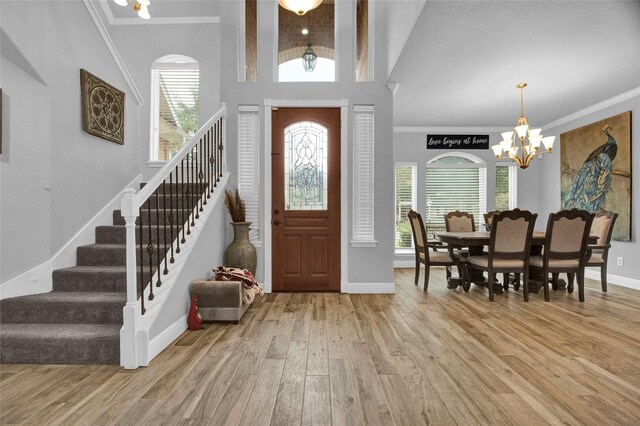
(39, 279)
(34, 281)
(370, 288)
(594, 274)
(167, 337)
(404, 263)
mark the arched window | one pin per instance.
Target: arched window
(175, 88)
(455, 181)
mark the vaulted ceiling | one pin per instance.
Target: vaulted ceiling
(464, 58)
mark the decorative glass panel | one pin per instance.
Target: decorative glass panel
(305, 166)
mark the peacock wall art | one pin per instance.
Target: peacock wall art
(596, 170)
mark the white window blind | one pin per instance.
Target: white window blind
(406, 199)
(454, 185)
(363, 176)
(249, 166)
(506, 187)
(175, 82)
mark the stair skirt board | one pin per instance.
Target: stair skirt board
(79, 321)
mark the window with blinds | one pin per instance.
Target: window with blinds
(363, 176)
(406, 199)
(249, 166)
(506, 187)
(454, 182)
(175, 88)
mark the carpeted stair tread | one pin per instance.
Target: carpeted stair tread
(64, 307)
(157, 216)
(60, 343)
(117, 234)
(107, 254)
(91, 278)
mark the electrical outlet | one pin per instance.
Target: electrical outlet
(620, 261)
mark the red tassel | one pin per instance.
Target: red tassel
(194, 320)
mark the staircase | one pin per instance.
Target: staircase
(79, 321)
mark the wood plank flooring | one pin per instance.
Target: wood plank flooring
(441, 358)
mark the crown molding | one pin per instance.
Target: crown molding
(462, 130)
(564, 120)
(178, 20)
(594, 108)
(112, 48)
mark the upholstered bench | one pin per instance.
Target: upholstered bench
(219, 300)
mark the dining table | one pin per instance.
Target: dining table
(475, 242)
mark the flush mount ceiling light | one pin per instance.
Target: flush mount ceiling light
(513, 144)
(299, 7)
(140, 6)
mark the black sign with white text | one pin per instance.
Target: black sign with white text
(457, 141)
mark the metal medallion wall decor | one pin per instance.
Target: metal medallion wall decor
(457, 141)
(102, 108)
(595, 162)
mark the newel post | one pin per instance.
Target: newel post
(129, 357)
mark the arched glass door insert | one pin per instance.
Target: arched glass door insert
(305, 166)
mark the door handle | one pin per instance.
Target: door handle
(276, 222)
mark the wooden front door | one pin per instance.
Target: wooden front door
(305, 216)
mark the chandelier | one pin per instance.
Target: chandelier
(513, 144)
(309, 58)
(299, 6)
(140, 6)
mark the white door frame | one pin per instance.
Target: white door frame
(343, 104)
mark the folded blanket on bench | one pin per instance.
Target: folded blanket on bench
(250, 287)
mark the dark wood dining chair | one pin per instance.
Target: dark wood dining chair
(427, 252)
(509, 248)
(565, 247)
(458, 221)
(601, 227)
(487, 218)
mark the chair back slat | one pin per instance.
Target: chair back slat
(511, 233)
(567, 234)
(459, 222)
(419, 234)
(602, 226)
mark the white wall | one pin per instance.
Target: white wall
(366, 265)
(402, 17)
(549, 185)
(140, 45)
(55, 176)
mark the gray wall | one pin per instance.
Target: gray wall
(140, 45)
(549, 185)
(366, 265)
(55, 177)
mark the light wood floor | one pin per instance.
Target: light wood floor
(439, 358)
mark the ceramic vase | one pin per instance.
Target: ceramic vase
(241, 253)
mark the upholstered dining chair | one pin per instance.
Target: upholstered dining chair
(565, 247)
(509, 248)
(602, 227)
(425, 256)
(458, 221)
(487, 218)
